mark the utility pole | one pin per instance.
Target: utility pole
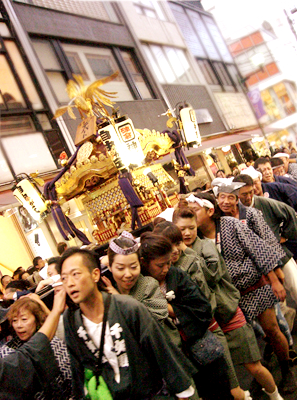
(291, 22)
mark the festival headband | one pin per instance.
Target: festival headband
(252, 172)
(118, 250)
(226, 185)
(281, 155)
(201, 202)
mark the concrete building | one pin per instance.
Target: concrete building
(271, 85)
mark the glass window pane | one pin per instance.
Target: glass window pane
(222, 74)
(204, 36)
(219, 41)
(5, 175)
(159, 11)
(99, 62)
(59, 86)
(4, 31)
(24, 75)
(101, 65)
(29, 153)
(150, 13)
(10, 94)
(154, 65)
(46, 54)
(16, 125)
(208, 73)
(176, 65)
(188, 31)
(44, 122)
(234, 74)
(76, 65)
(163, 63)
(136, 75)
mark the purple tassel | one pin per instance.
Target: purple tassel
(125, 180)
(178, 152)
(64, 224)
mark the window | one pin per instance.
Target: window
(170, 64)
(224, 77)
(92, 63)
(11, 96)
(97, 63)
(217, 38)
(136, 75)
(76, 65)
(102, 65)
(208, 72)
(27, 148)
(188, 30)
(25, 119)
(244, 62)
(53, 69)
(30, 153)
(4, 31)
(149, 8)
(24, 75)
(203, 35)
(234, 74)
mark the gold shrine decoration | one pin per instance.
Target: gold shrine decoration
(154, 144)
(88, 99)
(93, 167)
(85, 130)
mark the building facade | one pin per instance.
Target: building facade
(269, 83)
(166, 53)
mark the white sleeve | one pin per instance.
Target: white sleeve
(186, 393)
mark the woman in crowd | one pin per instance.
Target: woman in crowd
(27, 316)
(246, 256)
(214, 281)
(188, 307)
(124, 264)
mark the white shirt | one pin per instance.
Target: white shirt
(94, 331)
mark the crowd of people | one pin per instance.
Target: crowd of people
(170, 313)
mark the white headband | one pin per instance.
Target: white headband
(226, 185)
(281, 155)
(201, 202)
(250, 171)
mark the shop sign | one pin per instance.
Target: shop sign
(85, 130)
(256, 100)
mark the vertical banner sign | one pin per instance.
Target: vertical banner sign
(256, 100)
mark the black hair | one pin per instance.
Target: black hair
(170, 231)
(152, 246)
(3, 276)
(61, 247)
(17, 271)
(35, 260)
(158, 220)
(261, 160)
(220, 170)
(18, 285)
(22, 273)
(53, 260)
(245, 179)
(183, 212)
(276, 162)
(90, 258)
